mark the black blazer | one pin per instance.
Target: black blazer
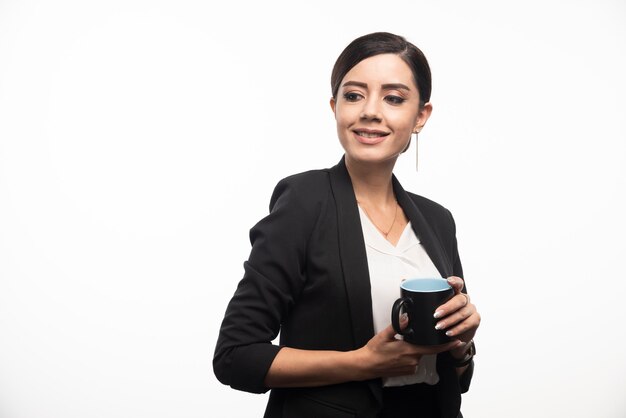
(307, 278)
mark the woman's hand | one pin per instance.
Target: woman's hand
(386, 356)
(458, 316)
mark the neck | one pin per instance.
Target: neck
(372, 181)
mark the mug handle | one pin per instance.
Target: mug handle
(395, 316)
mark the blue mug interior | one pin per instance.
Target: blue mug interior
(425, 285)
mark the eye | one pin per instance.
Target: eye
(352, 97)
(394, 100)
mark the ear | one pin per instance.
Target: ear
(423, 116)
(333, 103)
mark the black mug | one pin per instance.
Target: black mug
(420, 298)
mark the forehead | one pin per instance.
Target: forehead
(382, 69)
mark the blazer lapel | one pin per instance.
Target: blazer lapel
(427, 237)
(352, 254)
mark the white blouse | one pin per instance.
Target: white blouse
(388, 267)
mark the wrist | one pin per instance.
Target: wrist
(464, 356)
(355, 362)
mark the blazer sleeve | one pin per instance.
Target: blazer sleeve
(274, 275)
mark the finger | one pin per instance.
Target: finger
(457, 283)
(389, 333)
(404, 320)
(469, 325)
(457, 302)
(455, 318)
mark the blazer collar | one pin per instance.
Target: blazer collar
(423, 230)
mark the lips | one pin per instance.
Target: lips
(369, 136)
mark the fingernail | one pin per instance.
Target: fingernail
(438, 314)
(439, 325)
(404, 317)
(449, 333)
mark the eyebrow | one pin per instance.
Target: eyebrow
(389, 86)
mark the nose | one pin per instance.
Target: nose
(371, 109)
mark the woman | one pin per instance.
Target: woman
(326, 265)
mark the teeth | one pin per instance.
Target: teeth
(370, 135)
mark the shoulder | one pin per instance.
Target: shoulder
(434, 212)
(306, 188)
(294, 209)
(428, 205)
(306, 178)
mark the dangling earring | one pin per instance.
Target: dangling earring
(416, 149)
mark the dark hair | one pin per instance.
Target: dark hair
(378, 43)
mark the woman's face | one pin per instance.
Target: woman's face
(377, 109)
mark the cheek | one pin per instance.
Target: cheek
(343, 118)
(404, 122)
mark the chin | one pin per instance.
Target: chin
(373, 157)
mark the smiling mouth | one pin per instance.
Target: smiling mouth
(371, 134)
(369, 138)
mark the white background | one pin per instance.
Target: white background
(140, 140)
